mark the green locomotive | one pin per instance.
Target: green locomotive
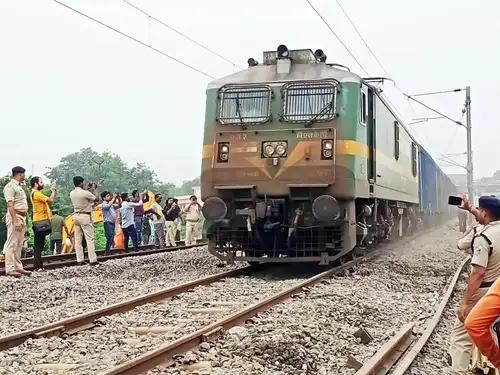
(303, 161)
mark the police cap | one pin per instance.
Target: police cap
(18, 169)
(490, 204)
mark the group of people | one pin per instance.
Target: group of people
(480, 305)
(133, 220)
(139, 225)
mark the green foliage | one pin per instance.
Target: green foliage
(99, 237)
(187, 187)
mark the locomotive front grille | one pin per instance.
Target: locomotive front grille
(311, 242)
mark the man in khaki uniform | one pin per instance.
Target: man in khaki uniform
(15, 220)
(485, 270)
(83, 202)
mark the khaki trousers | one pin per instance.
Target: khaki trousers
(191, 232)
(84, 227)
(170, 228)
(461, 343)
(13, 244)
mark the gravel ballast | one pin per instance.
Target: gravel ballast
(313, 333)
(120, 337)
(51, 295)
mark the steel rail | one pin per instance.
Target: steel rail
(390, 353)
(53, 261)
(165, 353)
(72, 255)
(75, 324)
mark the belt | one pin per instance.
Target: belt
(84, 213)
(486, 284)
(20, 213)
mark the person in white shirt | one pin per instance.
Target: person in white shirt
(192, 210)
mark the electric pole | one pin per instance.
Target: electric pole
(470, 166)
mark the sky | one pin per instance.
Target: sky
(67, 82)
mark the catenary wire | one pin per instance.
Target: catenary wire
(181, 34)
(135, 40)
(336, 36)
(363, 39)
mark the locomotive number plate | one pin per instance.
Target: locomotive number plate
(312, 135)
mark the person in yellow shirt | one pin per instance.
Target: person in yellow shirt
(41, 217)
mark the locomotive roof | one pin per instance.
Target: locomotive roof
(299, 71)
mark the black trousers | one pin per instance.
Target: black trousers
(39, 244)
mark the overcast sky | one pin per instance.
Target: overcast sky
(68, 83)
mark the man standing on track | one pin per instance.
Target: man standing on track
(83, 203)
(15, 220)
(193, 210)
(126, 219)
(158, 221)
(485, 270)
(42, 226)
(171, 212)
(109, 206)
(139, 212)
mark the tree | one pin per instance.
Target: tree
(108, 170)
(187, 187)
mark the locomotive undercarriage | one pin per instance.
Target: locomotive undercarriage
(283, 230)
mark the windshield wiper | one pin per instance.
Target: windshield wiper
(238, 111)
(324, 110)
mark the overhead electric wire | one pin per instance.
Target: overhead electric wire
(435, 110)
(135, 40)
(336, 36)
(181, 34)
(363, 39)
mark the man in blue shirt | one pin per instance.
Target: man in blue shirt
(109, 206)
(126, 218)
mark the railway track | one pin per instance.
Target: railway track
(396, 355)
(73, 325)
(206, 328)
(69, 259)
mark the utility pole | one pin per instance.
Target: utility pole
(470, 166)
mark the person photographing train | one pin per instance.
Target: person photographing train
(485, 262)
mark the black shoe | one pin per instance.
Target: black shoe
(94, 263)
(80, 263)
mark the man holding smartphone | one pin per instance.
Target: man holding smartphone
(485, 263)
(171, 212)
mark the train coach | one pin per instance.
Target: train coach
(304, 161)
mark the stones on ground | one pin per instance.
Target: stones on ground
(313, 332)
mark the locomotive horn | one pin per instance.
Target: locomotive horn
(283, 51)
(320, 55)
(326, 208)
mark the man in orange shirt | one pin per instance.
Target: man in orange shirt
(487, 310)
(41, 217)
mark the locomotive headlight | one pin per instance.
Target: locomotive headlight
(268, 150)
(327, 153)
(326, 149)
(223, 154)
(280, 149)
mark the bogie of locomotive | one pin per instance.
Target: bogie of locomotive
(303, 161)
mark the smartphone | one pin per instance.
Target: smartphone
(454, 201)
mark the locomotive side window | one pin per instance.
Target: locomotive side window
(414, 159)
(311, 101)
(396, 140)
(249, 104)
(362, 108)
